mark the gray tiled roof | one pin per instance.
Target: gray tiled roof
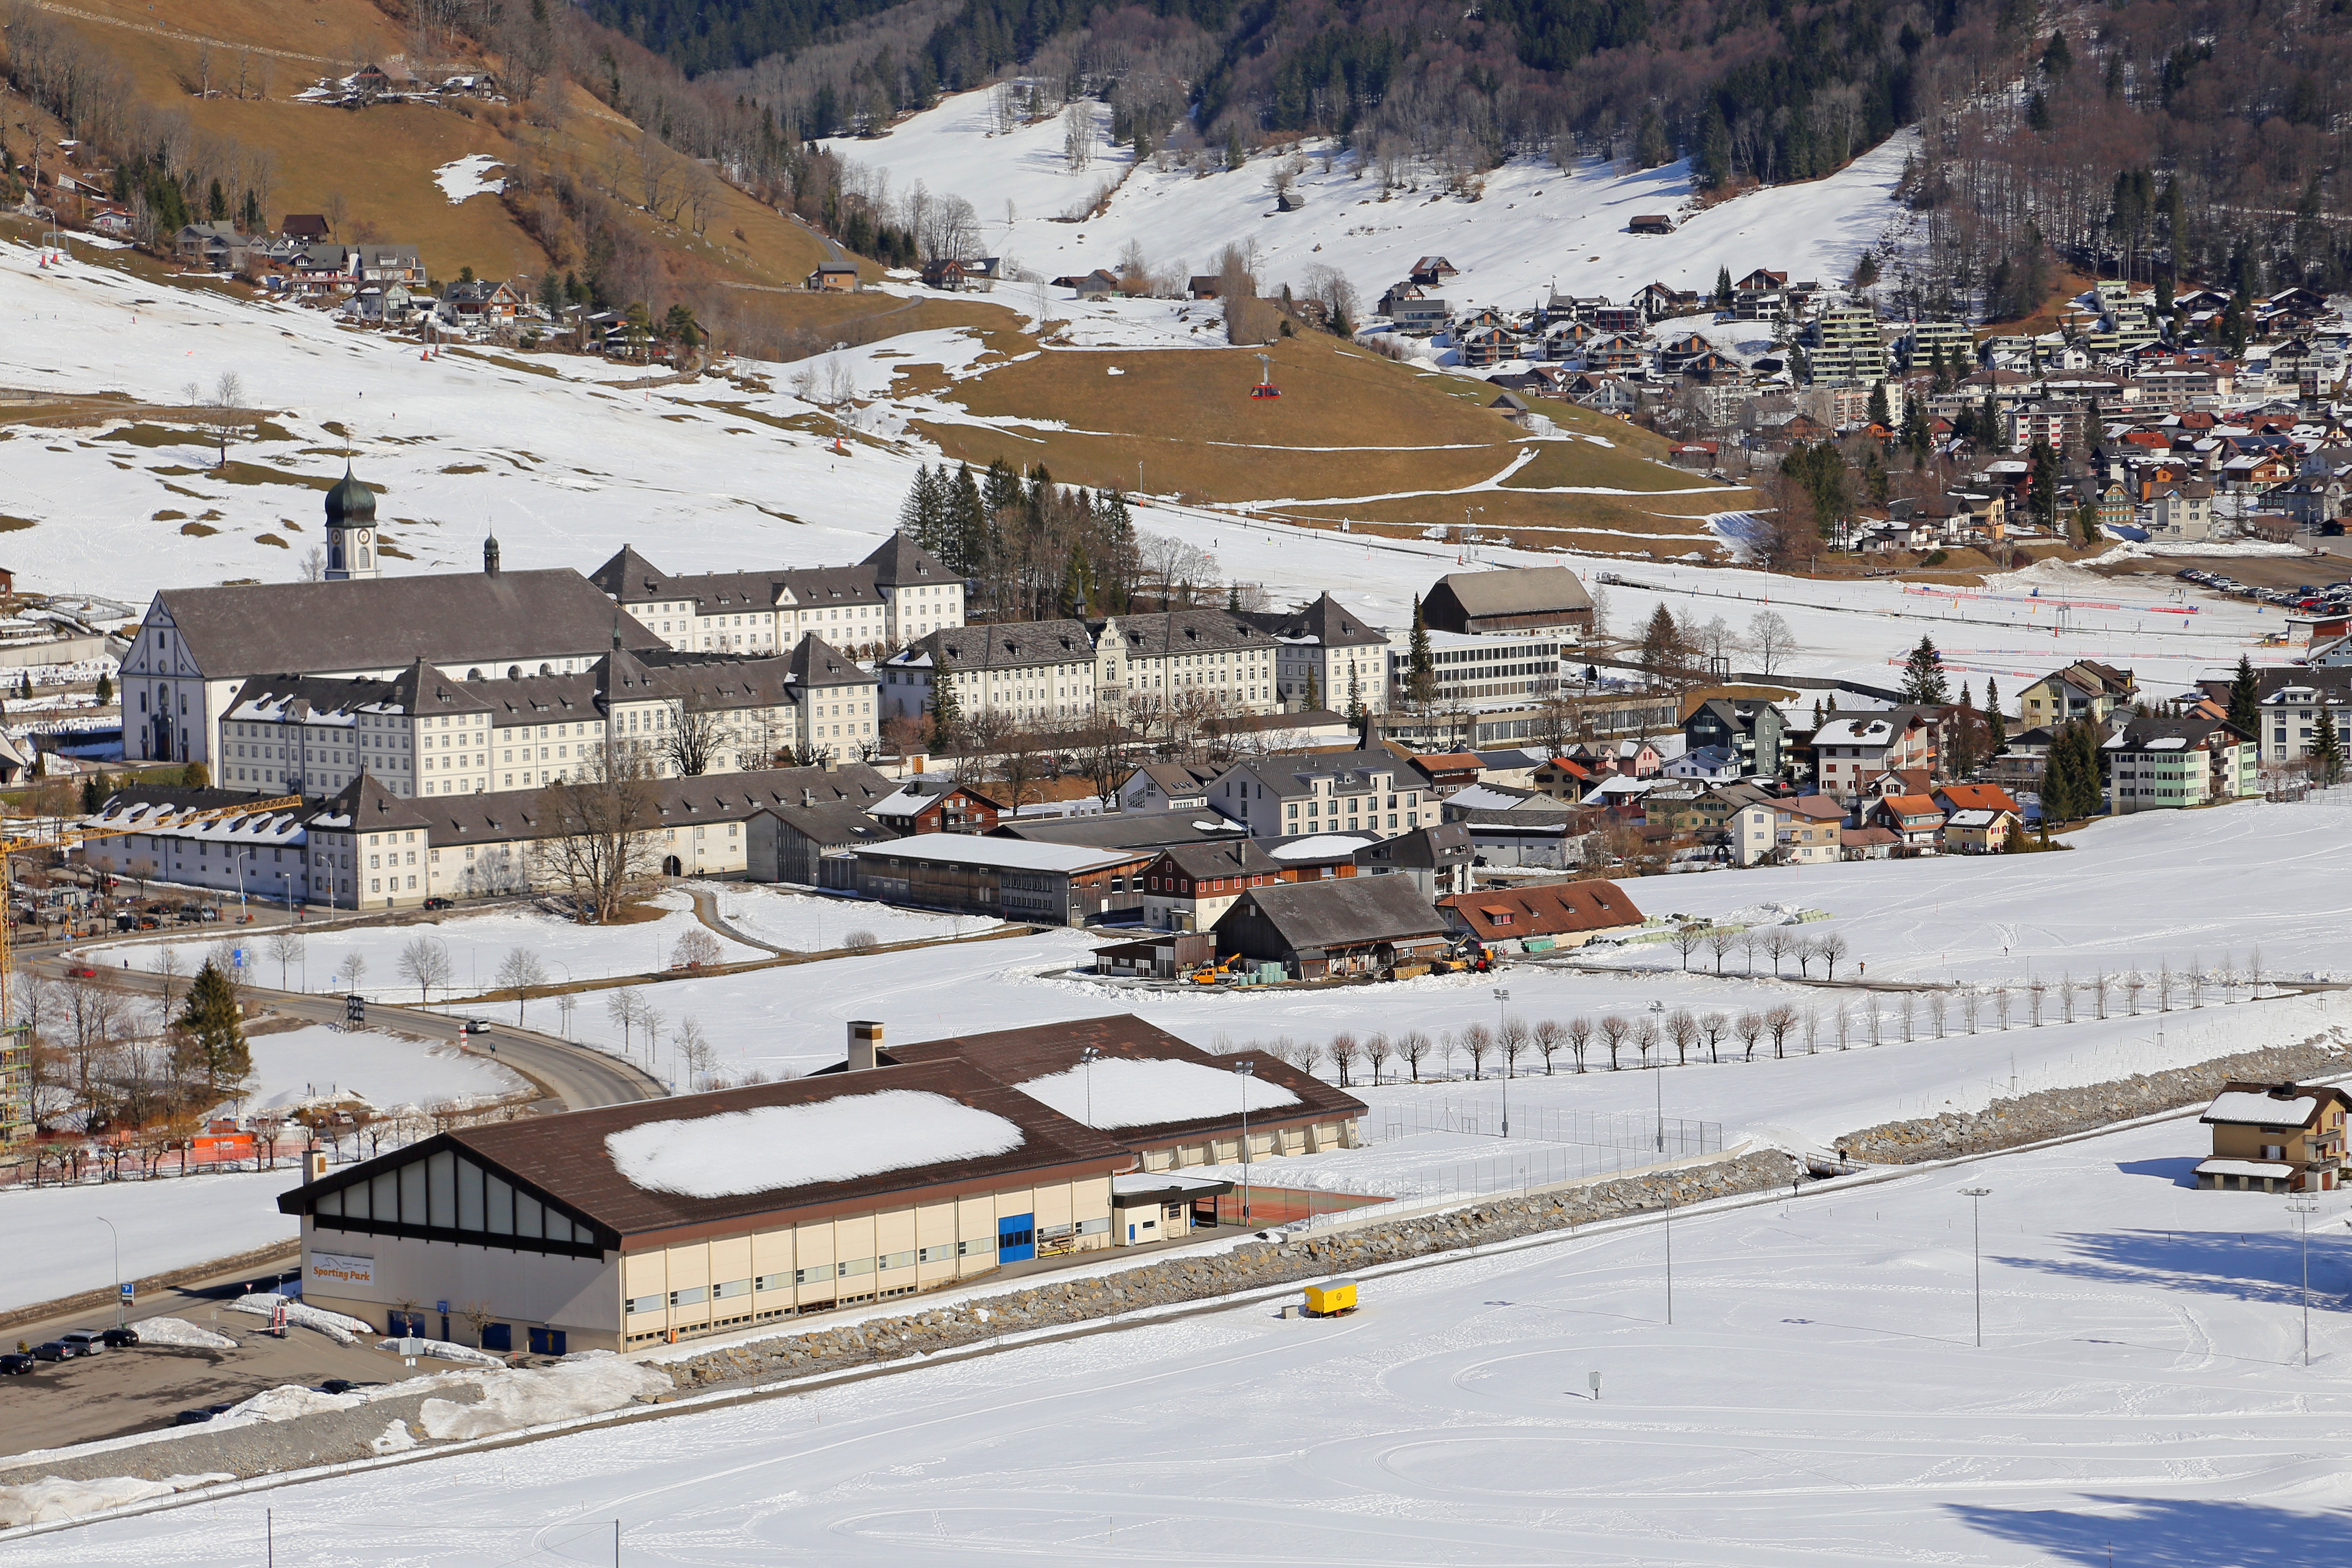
(389, 623)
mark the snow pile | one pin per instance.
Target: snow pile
(344, 1330)
(182, 1333)
(1150, 1092)
(444, 1349)
(779, 1146)
(47, 1502)
(468, 176)
(513, 1400)
(290, 1401)
(396, 1439)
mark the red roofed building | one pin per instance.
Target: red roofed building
(1547, 915)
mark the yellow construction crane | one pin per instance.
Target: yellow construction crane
(66, 836)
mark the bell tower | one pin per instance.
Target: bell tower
(351, 529)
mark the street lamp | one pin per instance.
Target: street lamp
(1245, 1069)
(2303, 1209)
(1087, 1060)
(1502, 997)
(117, 1266)
(1658, 1087)
(1975, 1245)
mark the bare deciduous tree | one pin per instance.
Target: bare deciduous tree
(601, 847)
(1750, 1029)
(695, 949)
(518, 972)
(1614, 1030)
(1681, 1029)
(424, 963)
(1580, 1039)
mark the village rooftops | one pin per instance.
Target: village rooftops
(1549, 909)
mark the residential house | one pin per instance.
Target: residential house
(484, 304)
(1485, 346)
(932, 805)
(2274, 1138)
(1978, 832)
(1959, 797)
(305, 229)
(1802, 830)
(1708, 764)
(1542, 917)
(1431, 270)
(214, 247)
(1915, 820)
(2184, 510)
(1750, 729)
(1869, 843)
(1308, 793)
(1563, 778)
(1166, 786)
(1851, 751)
(1190, 885)
(2085, 689)
(2155, 764)
(2290, 721)
(1353, 925)
(1437, 860)
(834, 278)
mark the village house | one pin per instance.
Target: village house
(1349, 926)
(1190, 887)
(937, 806)
(1849, 752)
(1801, 831)
(1978, 832)
(1915, 819)
(1436, 860)
(2274, 1138)
(1542, 917)
(2085, 689)
(1166, 786)
(2155, 764)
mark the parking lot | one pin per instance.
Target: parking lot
(2278, 572)
(144, 1388)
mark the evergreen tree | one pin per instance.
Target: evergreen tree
(1723, 287)
(1314, 688)
(2057, 60)
(105, 688)
(212, 1032)
(1420, 669)
(1963, 756)
(1923, 676)
(1879, 414)
(970, 535)
(946, 715)
(2327, 753)
(1916, 435)
(2070, 776)
(2245, 699)
(1662, 643)
(1990, 434)
(1996, 721)
(2043, 490)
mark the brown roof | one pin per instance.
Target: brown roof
(1018, 1056)
(1547, 909)
(563, 1157)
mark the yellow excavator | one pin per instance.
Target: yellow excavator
(1225, 969)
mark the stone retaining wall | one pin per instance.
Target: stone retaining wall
(1177, 1279)
(2055, 1112)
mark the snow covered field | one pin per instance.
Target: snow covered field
(469, 437)
(1534, 226)
(477, 943)
(164, 1224)
(386, 1070)
(806, 922)
(1817, 1397)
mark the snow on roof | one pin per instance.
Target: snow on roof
(1166, 1181)
(1972, 819)
(1855, 732)
(2218, 1167)
(1317, 846)
(2246, 1107)
(779, 1146)
(1011, 854)
(1147, 1092)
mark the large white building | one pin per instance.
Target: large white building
(1328, 659)
(1139, 668)
(898, 593)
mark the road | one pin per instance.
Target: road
(575, 1076)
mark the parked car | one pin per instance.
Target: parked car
(15, 1364)
(117, 1338)
(440, 903)
(474, 1027)
(56, 1350)
(197, 1417)
(85, 1341)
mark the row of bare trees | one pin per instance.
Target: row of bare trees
(1782, 944)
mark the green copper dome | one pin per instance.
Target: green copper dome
(350, 502)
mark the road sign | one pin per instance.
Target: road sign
(354, 1011)
(129, 1294)
(442, 1308)
(236, 958)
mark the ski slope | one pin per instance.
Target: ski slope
(1533, 227)
(1814, 1394)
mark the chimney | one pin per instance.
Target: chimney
(316, 1162)
(864, 1045)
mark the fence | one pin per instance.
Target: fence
(1670, 1136)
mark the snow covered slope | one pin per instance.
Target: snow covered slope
(1534, 225)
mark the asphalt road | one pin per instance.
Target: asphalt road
(575, 1077)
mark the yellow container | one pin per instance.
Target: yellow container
(1325, 1300)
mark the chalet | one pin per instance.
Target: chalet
(1099, 284)
(1916, 819)
(1432, 270)
(944, 273)
(1763, 281)
(1436, 860)
(1700, 454)
(216, 247)
(1542, 917)
(305, 228)
(1563, 778)
(2274, 1138)
(1347, 926)
(1420, 316)
(1207, 285)
(1657, 303)
(924, 805)
(1188, 887)
(1974, 832)
(1651, 223)
(833, 278)
(2085, 689)
(484, 302)
(1486, 346)
(1800, 831)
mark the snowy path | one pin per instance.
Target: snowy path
(1816, 1399)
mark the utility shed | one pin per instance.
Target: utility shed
(636, 1224)
(1351, 925)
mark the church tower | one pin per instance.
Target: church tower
(351, 529)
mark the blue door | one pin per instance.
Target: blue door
(1016, 1238)
(547, 1341)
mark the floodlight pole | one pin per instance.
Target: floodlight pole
(1502, 998)
(2303, 1209)
(1245, 1069)
(1087, 1059)
(1975, 1245)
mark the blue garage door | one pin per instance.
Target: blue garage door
(547, 1341)
(1016, 1238)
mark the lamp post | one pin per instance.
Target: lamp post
(1658, 1085)
(1088, 1057)
(1975, 1245)
(1245, 1069)
(1502, 998)
(117, 1266)
(2303, 1209)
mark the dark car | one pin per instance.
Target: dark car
(440, 903)
(197, 1417)
(116, 1338)
(337, 1385)
(15, 1364)
(56, 1350)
